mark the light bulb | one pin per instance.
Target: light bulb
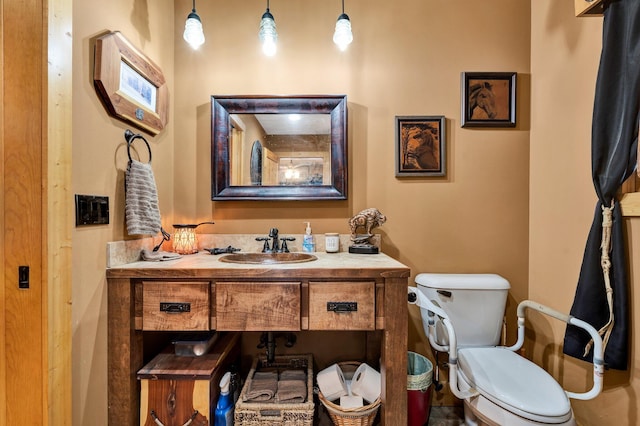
(268, 34)
(193, 33)
(342, 35)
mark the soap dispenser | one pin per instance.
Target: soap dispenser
(308, 242)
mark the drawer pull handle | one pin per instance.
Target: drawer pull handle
(175, 307)
(342, 307)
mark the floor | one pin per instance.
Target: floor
(446, 416)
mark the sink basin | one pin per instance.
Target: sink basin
(268, 258)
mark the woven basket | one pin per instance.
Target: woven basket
(420, 371)
(361, 416)
(274, 413)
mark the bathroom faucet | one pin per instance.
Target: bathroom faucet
(276, 247)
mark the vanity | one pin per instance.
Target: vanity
(336, 293)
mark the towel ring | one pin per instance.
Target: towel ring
(129, 136)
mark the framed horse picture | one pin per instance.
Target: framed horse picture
(488, 99)
(420, 146)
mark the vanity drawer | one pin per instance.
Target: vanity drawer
(342, 305)
(179, 306)
(257, 306)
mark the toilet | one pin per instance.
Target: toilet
(462, 314)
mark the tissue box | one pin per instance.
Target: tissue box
(175, 389)
(274, 413)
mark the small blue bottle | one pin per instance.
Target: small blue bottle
(224, 409)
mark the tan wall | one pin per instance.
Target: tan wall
(99, 161)
(406, 59)
(564, 60)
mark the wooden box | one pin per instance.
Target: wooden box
(176, 389)
(342, 305)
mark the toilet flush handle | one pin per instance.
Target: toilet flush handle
(444, 293)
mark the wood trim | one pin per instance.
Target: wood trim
(59, 212)
(630, 196)
(630, 204)
(588, 7)
(3, 336)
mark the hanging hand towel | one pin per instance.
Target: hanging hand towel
(141, 200)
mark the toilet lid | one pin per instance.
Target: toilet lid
(513, 382)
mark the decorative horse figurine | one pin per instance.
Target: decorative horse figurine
(482, 101)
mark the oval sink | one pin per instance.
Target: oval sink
(268, 258)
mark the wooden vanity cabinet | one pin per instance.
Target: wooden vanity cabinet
(142, 301)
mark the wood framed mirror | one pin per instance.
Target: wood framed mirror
(279, 147)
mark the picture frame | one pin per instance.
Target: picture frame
(488, 99)
(420, 146)
(131, 87)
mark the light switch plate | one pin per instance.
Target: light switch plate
(92, 210)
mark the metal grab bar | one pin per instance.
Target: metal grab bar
(452, 349)
(598, 352)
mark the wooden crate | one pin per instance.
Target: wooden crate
(274, 413)
(175, 389)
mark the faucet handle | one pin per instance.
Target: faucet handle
(283, 247)
(265, 247)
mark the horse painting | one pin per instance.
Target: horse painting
(482, 101)
(419, 146)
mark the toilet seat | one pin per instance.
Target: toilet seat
(515, 384)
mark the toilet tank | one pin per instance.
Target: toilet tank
(475, 304)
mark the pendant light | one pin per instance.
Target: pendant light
(268, 34)
(342, 35)
(193, 33)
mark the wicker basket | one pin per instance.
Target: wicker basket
(274, 413)
(361, 416)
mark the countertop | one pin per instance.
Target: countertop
(205, 264)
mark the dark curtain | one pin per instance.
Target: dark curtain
(614, 143)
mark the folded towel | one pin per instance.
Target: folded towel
(141, 200)
(291, 391)
(263, 387)
(158, 256)
(293, 375)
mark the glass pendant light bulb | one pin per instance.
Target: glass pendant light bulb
(193, 33)
(342, 36)
(268, 34)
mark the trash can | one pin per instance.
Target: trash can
(419, 379)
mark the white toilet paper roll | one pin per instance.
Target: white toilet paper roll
(366, 383)
(351, 401)
(331, 382)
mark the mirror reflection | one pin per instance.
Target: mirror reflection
(280, 149)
